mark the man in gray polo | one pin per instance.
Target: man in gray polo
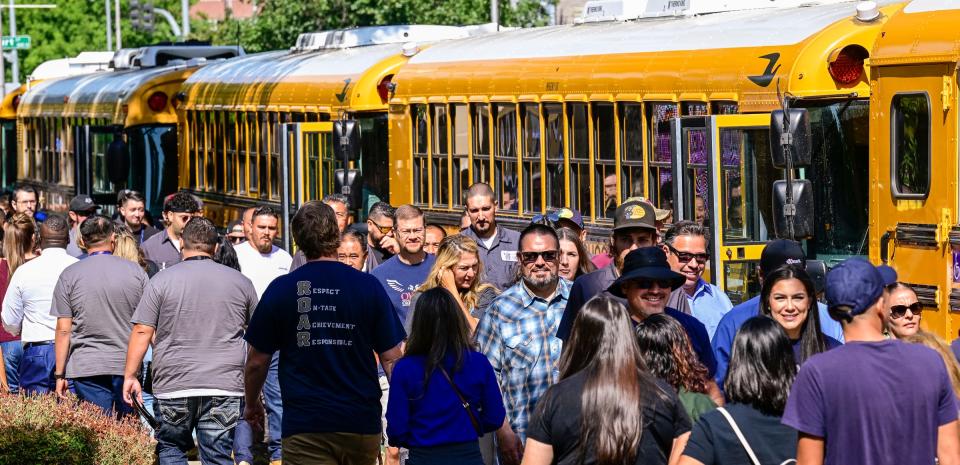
(498, 246)
(164, 248)
(93, 318)
(198, 311)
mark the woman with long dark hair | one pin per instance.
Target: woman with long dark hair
(761, 373)
(668, 355)
(444, 394)
(606, 409)
(789, 297)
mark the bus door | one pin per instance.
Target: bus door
(101, 163)
(307, 167)
(692, 151)
(740, 212)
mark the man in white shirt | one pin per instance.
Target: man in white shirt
(262, 262)
(26, 306)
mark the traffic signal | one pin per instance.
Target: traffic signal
(135, 19)
(146, 17)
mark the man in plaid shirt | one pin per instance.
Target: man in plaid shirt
(518, 335)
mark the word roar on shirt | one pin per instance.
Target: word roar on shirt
(306, 288)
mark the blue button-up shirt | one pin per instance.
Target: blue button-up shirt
(518, 335)
(708, 304)
(500, 260)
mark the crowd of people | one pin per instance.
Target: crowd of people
(393, 339)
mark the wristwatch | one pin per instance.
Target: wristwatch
(59, 376)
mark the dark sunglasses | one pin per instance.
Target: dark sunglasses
(685, 257)
(531, 257)
(235, 240)
(898, 311)
(648, 283)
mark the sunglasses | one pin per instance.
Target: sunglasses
(235, 240)
(685, 257)
(383, 230)
(898, 311)
(648, 283)
(531, 257)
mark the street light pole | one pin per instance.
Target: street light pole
(15, 62)
(185, 17)
(117, 3)
(107, 10)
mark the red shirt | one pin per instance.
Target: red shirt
(4, 281)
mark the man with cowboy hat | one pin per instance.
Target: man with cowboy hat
(646, 283)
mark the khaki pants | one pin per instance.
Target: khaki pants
(331, 449)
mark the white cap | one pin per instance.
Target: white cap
(867, 11)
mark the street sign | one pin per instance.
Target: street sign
(16, 42)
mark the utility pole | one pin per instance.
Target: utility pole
(495, 13)
(117, 5)
(185, 18)
(15, 62)
(107, 9)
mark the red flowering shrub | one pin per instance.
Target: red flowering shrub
(40, 430)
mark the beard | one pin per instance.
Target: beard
(539, 284)
(264, 247)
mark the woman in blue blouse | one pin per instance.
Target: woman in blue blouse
(439, 373)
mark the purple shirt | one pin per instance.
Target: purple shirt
(873, 402)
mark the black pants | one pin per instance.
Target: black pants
(464, 453)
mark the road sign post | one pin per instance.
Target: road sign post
(16, 42)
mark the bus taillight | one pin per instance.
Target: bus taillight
(157, 101)
(846, 65)
(384, 88)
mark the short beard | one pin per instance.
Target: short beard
(542, 284)
(264, 248)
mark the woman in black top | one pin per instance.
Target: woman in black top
(758, 382)
(584, 418)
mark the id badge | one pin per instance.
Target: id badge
(508, 255)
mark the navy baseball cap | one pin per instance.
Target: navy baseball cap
(889, 275)
(854, 283)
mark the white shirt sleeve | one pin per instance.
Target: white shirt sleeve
(12, 313)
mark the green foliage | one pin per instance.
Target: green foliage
(280, 21)
(41, 430)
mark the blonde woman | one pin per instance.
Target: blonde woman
(127, 247)
(19, 247)
(457, 269)
(934, 342)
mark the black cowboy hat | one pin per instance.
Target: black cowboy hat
(646, 263)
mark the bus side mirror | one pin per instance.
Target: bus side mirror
(346, 140)
(797, 136)
(118, 161)
(803, 220)
(349, 184)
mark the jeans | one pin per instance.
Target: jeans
(274, 407)
(12, 353)
(243, 441)
(104, 391)
(213, 418)
(36, 369)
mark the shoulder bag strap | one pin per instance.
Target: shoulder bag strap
(736, 430)
(463, 401)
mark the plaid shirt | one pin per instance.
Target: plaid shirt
(517, 333)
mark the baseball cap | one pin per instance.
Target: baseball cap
(781, 252)
(889, 275)
(567, 214)
(634, 213)
(83, 204)
(854, 283)
(235, 227)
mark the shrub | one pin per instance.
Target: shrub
(42, 430)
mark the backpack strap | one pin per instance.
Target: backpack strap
(736, 430)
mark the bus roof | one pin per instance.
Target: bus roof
(711, 53)
(923, 32)
(325, 71)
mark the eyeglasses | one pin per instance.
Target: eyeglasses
(685, 257)
(409, 232)
(383, 229)
(898, 311)
(648, 283)
(531, 257)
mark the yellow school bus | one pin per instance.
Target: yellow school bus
(102, 132)
(914, 152)
(8, 137)
(240, 117)
(674, 108)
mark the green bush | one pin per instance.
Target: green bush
(42, 430)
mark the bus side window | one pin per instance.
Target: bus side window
(604, 159)
(481, 143)
(530, 114)
(910, 117)
(579, 130)
(553, 140)
(460, 134)
(439, 164)
(631, 150)
(418, 116)
(505, 157)
(661, 154)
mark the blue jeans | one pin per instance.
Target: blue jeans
(36, 369)
(243, 442)
(105, 392)
(213, 418)
(12, 353)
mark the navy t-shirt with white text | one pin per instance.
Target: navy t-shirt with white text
(327, 320)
